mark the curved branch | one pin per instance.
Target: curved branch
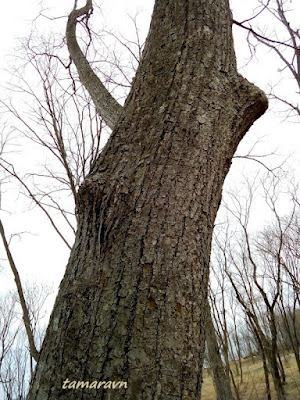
(105, 103)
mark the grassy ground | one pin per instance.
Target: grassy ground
(253, 385)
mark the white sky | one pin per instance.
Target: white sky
(40, 254)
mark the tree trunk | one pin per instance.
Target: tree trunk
(266, 373)
(275, 372)
(132, 304)
(239, 351)
(262, 351)
(220, 378)
(273, 353)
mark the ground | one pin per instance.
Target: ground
(253, 386)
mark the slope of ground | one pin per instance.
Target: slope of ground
(253, 384)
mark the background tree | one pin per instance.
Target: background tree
(283, 39)
(16, 362)
(254, 264)
(221, 379)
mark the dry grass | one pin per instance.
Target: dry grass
(253, 385)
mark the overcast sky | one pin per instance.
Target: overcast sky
(39, 253)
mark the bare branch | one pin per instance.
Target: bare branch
(33, 351)
(13, 173)
(259, 36)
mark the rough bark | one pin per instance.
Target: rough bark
(132, 303)
(220, 378)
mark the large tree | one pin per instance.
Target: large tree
(132, 304)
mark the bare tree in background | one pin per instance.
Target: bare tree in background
(283, 39)
(257, 270)
(16, 361)
(220, 311)
(13, 354)
(221, 379)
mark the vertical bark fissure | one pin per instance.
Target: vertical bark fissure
(113, 311)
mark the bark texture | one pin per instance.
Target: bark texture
(132, 305)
